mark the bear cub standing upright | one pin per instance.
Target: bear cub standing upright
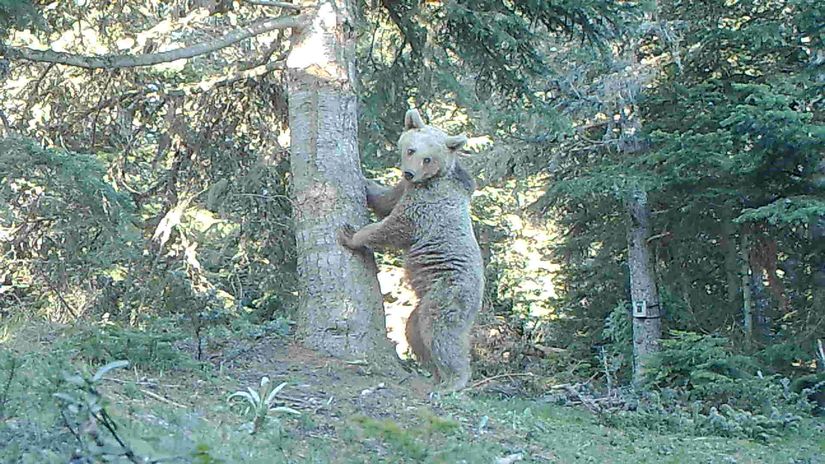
(428, 216)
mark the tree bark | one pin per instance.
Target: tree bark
(647, 324)
(762, 300)
(818, 265)
(747, 295)
(341, 309)
(733, 281)
(761, 304)
(818, 238)
(756, 299)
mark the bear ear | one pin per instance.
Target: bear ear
(454, 142)
(413, 120)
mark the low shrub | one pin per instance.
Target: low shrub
(698, 384)
(146, 349)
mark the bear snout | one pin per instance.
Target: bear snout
(409, 175)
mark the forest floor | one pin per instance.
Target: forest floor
(348, 415)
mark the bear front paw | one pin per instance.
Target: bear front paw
(345, 236)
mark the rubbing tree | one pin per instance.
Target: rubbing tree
(341, 307)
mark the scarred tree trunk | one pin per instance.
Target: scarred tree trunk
(341, 308)
(647, 324)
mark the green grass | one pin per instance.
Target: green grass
(562, 434)
(391, 425)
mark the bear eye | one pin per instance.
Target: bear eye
(427, 160)
(410, 151)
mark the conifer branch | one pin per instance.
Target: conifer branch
(132, 61)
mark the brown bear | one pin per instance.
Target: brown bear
(428, 216)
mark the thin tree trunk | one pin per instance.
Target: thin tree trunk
(341, 308)
(647, 323)
(763, 268)
(747, 296)
(757, 295)
(728, 243)
(761, 303)
(818, 271)
(818, 237)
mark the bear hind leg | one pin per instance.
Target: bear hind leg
(451, 353)
(419, 334)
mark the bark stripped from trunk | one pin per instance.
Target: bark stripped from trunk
(647, 324)
(341, 308)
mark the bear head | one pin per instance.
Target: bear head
(426, 151)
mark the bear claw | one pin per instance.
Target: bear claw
(345, 235)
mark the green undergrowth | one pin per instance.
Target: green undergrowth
(178, 412)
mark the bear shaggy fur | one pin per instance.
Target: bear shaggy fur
(428, 216)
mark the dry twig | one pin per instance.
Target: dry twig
(161, 399)
(500, 376)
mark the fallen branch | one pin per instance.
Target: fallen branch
(161, 399)
(272, 3)
(500, 376)
(292, 399)
(147, 384)
(132, 61)
(589, 404)
(657, 236)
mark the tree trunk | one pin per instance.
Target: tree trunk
(761, 304)
(341, 309)
(747, 295)
(728, 243)
(765, 296)
(647, 323)
(818, 265)
(756, 300)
